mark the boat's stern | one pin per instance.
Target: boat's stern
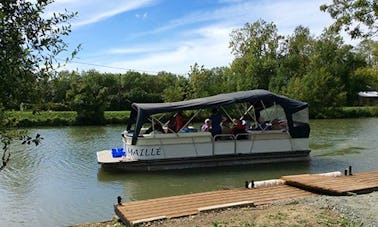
(106, 156)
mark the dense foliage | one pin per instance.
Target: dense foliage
(359, 18)
(323, 71)
(29, 44)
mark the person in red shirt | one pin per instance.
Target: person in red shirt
(238, 128)
(180, 121)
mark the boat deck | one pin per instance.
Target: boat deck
(295, 187)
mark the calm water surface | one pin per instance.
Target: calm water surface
(60, 183)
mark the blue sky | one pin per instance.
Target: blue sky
(171, 35)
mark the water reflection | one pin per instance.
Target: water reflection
(343, 136)
(166, 183)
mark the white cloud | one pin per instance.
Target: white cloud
(92, 11)
(211, 47)
(286, 14)
(289, 14)
(211, 50)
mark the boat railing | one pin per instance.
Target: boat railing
(170, 138)
(172, 135)
(226, 136)
(274, 134)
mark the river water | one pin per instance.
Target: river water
(59, 182)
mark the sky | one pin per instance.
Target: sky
(171, 35)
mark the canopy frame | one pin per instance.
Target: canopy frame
(142, 111)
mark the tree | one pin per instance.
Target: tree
(29, 44)
(369, 49)
(255, 47)
(88, 96)
(319, 88)
(359, 18)
(202, 82)
(176, 91)
(294, 58)
(366, 77)
(338, 59)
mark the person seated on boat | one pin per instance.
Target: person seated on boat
(278, 124)
(157, 129)
(216, 119)
(206, 127)
(186, 129)
(171, 125)
(262, 125)
(238, 128)
(180, 121)
(283, 124)
(275, 124)
(246, 121)
(225, 124)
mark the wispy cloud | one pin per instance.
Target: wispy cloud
(286, 14)
(141, 16)
(136, 50)
(92, 11)
(209, 50)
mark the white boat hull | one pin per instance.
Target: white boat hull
(189, 150)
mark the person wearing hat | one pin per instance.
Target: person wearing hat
(207, 126)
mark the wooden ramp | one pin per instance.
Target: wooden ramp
(137, 212)
(340, 185)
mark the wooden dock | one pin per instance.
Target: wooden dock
(136, 212)
(295, 187)
(342, 185)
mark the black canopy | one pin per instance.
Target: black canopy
(141, 111)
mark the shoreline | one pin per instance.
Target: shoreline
(359, 210)
(26, 119)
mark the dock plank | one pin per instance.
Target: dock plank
(185, 205)
(339, 185)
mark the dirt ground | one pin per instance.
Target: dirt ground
(274, 215)
(292, 214)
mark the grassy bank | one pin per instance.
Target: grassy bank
(68, 118)
(59, 118)
(348, 112)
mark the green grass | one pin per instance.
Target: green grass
(67, 118)
(117, 117)
(348, 112)
(58, 118)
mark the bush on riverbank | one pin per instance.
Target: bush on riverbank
(348, 112)
(68, 118)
